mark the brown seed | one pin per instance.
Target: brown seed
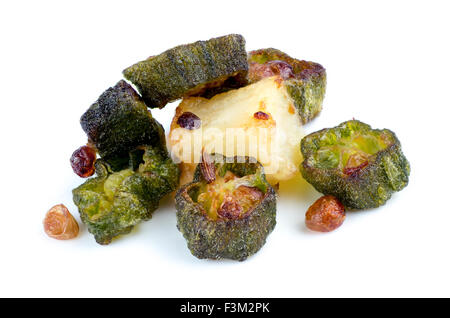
(355, 163)
(325, 215)
(208, 168)
(60, 224)
(189, 121)
(230, 209)
(240, 203)
(83, 160)
(250, 194)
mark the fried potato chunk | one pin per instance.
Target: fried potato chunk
(259, 121)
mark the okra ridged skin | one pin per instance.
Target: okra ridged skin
(198, 68)
(120, 121)
(368, 186)
(112, 203)
(235, 239)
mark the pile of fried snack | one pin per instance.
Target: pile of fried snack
(225, 196)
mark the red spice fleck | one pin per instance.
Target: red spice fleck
(261, 115)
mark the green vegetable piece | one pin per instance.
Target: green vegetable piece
(120, 121)
(229, 216)
(160, 172)
(112, 203)
(192, 69)
(305, 81)
(359, 165)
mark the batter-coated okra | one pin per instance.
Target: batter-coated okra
(112, 203)
(227, 211)
(119, 121)
(199, 68)
(359, 165)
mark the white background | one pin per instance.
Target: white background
(387, 65)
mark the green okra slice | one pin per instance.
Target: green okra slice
(199, 68)
(119, 121)
(227, 211)
(359, 165)
(112, 203)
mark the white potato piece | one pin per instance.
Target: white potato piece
(258, 120)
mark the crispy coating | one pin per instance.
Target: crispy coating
(305, 81)
(199, 68)
(227, 236)
(120, 121)
(112, 203)
(359, 165)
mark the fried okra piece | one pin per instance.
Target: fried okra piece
(227, 211)
(119, 121)
(112, 203)
(190, 70)
(359, 165)
(305, 82)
